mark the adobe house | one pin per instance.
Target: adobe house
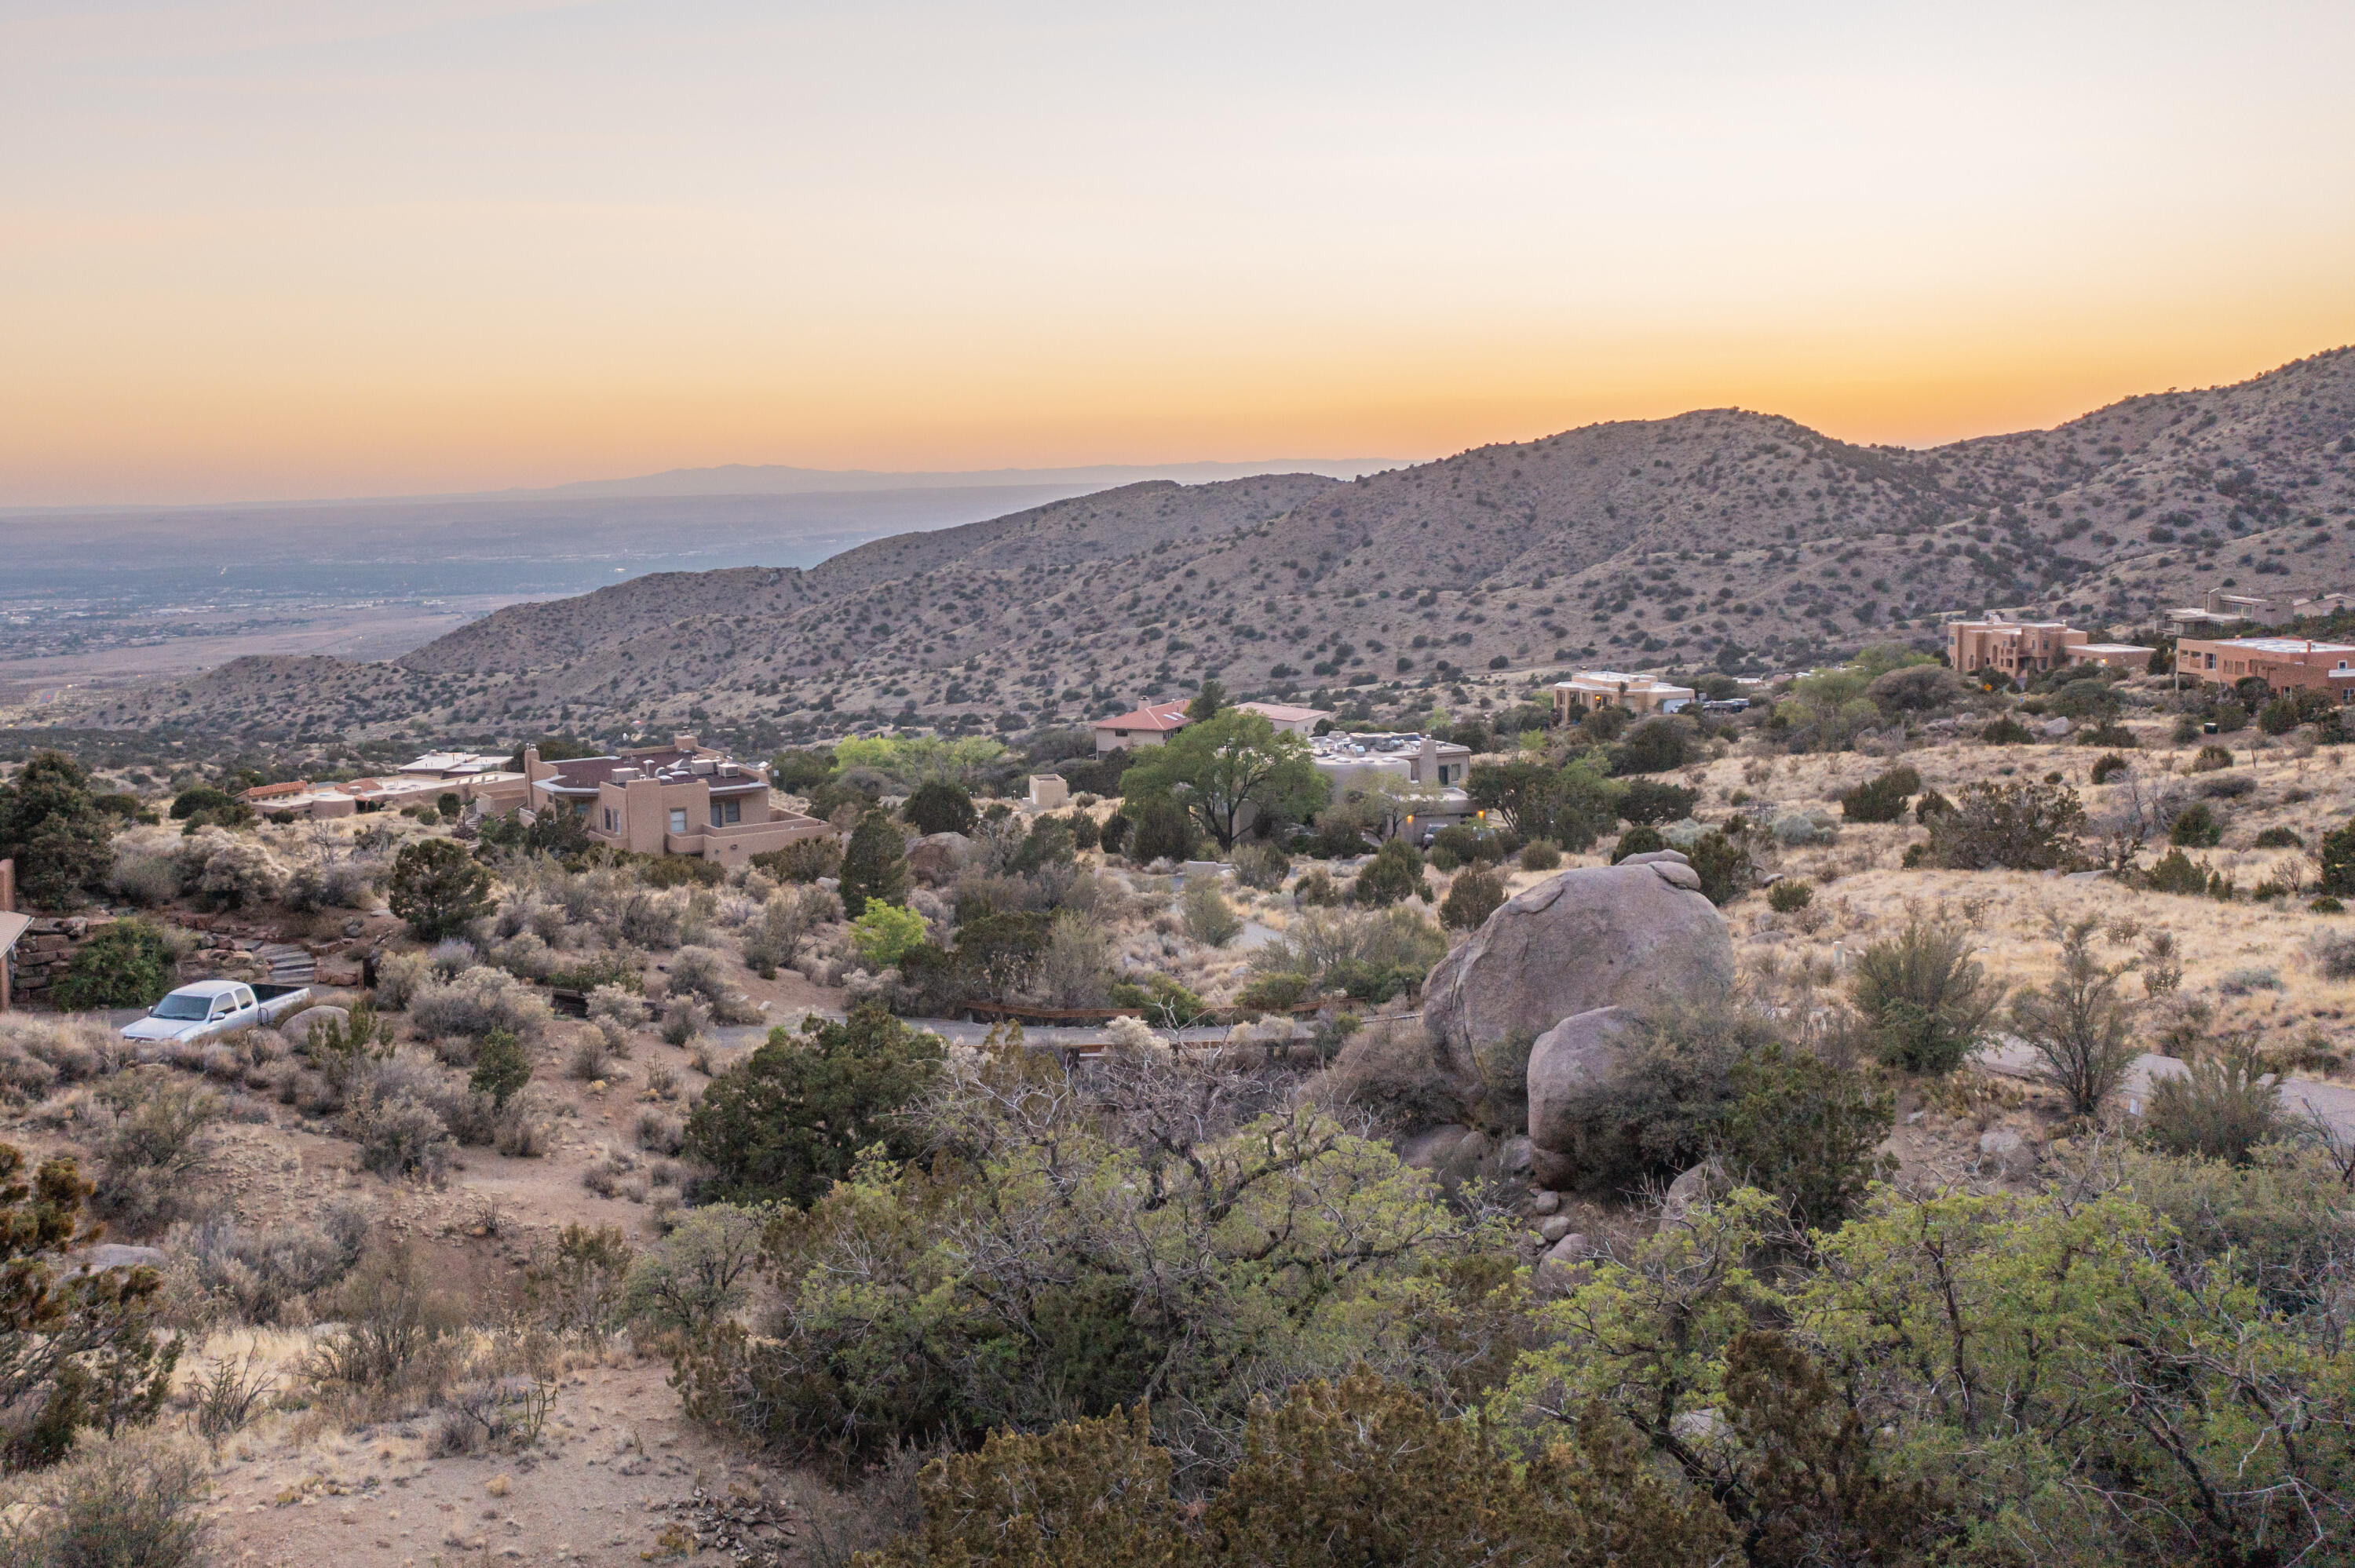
(2017, 647)
(2284, 664)
(1639, 694)
(1151, 725)
(682, 799)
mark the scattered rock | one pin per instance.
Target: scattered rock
(299, 1026)
(1562, 1266)
(1694, 1189)
(1426, 1149)
(1545, 1202)
(1555, 1228)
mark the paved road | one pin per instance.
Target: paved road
(2335, 1103)
(963, 1033)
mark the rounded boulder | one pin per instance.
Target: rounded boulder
(1633, 935)
(1572, 1057)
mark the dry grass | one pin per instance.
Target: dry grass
(1863, 890)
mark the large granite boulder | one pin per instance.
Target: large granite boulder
(1631, 934)
(936, 858)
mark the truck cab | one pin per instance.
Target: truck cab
(214, 1007)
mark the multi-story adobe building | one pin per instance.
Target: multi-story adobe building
(2017, 648)
(2283, 663)
(682, 799)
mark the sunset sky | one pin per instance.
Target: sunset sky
(326, 248)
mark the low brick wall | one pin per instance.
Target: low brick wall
(46, 949)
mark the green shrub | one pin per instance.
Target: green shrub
(1541, 854)
(1638, 839)
(1113, 833)
(53, 1335)
(1659, 1110)
(61, 841)
(1656, 745)
(1472, 898)
(805, 860)
(1930, 805)
(2337, 856)
(2108, 764)
(2176, 872)
(134, 1500)
(667, 871)
(786, 1123)
(1261, 865)
(2211, 757)
(1649, 801)
(1166, 1003)
(1723, 864)
(702, 1272)
(1278, 992)
(2225, 1107)
(438, 888)
(125, 965)
(1357, 1471)
(1394, 873)
(2279, 716)
(2077, 1023)
(940, 807)
(1159, 829)
(2280, 838)
(1924, 1000)
(1805, 1131)
(2019, 826)
(884, 933)
(1790, 896)
(875, 866)
(502, 1067)
(2195, 827)
(1882, 799)
(2005, 731)
(1209, 918)
(207, 802)
(2231, 717)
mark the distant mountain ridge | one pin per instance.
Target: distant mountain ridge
(1721, 537)
(775, 479)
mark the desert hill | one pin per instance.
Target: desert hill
(1719, 537)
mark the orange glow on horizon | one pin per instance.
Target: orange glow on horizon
(262, 249)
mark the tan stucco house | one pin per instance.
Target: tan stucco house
(682, 799)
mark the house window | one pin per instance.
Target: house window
(610, 824)
(678, 820)
(723, 813)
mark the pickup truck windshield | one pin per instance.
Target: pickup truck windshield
(183, 1007)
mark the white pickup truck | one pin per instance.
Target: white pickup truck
(213, 1007)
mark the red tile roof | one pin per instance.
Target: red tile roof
(1155, 716)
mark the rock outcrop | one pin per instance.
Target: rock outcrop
(1630, 935)
(936, 858)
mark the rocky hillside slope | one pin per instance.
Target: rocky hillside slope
(1721, 537)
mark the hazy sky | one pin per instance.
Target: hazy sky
(304, 248)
